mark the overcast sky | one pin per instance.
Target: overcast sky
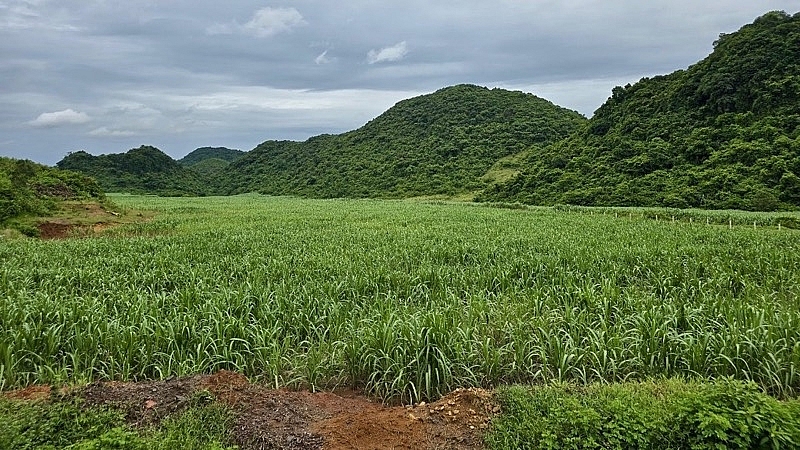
(105, 76)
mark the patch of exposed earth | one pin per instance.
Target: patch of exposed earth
(268, 418)
(83, 219)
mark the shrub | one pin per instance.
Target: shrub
(672, 414)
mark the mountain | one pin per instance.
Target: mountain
(141, 170)
(31, 189)
(205, 153)
(724, 133)
(436, 144)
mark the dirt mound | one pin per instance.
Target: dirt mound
(268, 418)
(143, 403)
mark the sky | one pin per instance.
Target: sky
(106, 76)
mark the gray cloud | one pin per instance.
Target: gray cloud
(184, 74)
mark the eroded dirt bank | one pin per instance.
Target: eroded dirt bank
(282, 419)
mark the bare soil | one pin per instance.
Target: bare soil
(268, 418)
(55, 230)
(83, 219)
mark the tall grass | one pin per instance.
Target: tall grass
(406, 300)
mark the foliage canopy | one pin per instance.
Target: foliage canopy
(140, 170)
(441, 143)
(206, 153)
(722, 134)
(28, 188)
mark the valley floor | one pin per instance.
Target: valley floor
(615, 319)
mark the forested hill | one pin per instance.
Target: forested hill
(440, 143)
(724, 133)
(141, 170)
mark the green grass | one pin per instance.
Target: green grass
(405, 299)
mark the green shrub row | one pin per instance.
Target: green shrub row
(31, 189)
(70, 424)
(672, 414)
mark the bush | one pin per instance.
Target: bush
(725, 414)
(51, 426)
(69, 424)
(733, 414)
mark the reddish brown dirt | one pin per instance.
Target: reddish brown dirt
(84, 219)
(456, 421)
(31, 393)
(55, 230)
(299, 420)
(61, 229)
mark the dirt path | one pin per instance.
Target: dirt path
(281, 419)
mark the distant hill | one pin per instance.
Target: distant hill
(724, 133)
(210, 168)
(141, 170)
(205, 153)
(436, 144)
(28, 188)
(209, 162)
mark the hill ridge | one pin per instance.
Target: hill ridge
(145, 169)
(434, 144)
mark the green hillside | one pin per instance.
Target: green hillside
(724, 133)
(209, 162)
(205, 153)
(31, 189)
(141, 170)
(210, 167)
(436, 144)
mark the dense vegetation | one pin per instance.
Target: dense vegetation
(725, 133)
(724, 414)
(30, 189)
(403, 299)
(441, 143)
(209, 162)
(204, 153)
(141, 170)
(69, 424)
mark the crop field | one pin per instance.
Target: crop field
(406, 300)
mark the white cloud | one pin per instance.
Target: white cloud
(394, 53)
(106, 132)
(270, 21)
(322, 58)
(59, 118)
(265, 22)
